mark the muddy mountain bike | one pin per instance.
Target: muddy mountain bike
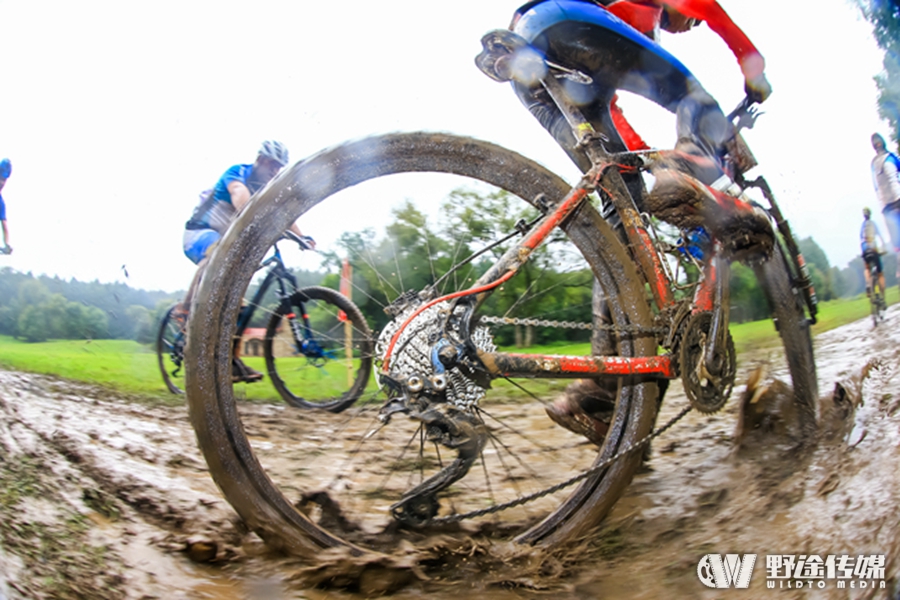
(317, 345)
(457, 435)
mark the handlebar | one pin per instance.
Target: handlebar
(746, 113)
(304, 241)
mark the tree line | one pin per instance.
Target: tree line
(413, 252)
(38, 308)
(416, 250)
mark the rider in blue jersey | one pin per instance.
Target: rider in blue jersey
(218, 207)
(5, 171)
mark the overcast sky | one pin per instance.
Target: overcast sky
(117, 114)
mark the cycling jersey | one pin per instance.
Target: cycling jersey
(2, 209)
(215, 210)
(868, 237)
(886, 177)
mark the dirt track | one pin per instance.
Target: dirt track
(103, 497)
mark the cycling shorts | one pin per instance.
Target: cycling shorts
(891, 215)
(873, 258)
(198, 243)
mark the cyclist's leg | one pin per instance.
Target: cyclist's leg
(879, 270)
(198, 245)
(867, 273)
(891, 215)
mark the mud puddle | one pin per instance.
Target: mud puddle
(102, 497)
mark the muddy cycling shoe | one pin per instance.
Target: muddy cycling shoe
(241, 373)
(585, 408)
(743, 227)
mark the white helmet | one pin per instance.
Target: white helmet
(274, 150)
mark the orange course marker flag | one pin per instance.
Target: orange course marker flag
(346, 274)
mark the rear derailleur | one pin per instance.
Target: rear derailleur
(443, 424)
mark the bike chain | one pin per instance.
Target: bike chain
(635, 329)
(573, 325)
(555, 488)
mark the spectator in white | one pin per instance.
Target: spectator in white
(886, 176)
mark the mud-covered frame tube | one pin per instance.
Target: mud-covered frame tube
(500, 364)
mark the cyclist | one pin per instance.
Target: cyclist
(869, 238)
(615, 43)
(886, 177)
(5, 171)
(217, 209)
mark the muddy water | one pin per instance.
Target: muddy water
(107, 473)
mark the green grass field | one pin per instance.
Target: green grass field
(131, 367)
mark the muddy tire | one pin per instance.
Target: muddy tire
(788, 311)
(170, 340)
(232, 461)
(291, 372)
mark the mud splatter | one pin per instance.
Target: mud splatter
(124, 492)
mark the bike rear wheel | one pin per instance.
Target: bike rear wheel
(170, 341)
(270, 507)
(788, 311)
(327, 366)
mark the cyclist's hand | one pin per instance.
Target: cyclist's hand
(306, 242)
(758, 88)
(7, 249)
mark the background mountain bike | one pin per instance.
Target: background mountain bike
(449, 444)
(316, 340)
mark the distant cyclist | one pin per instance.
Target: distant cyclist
(218, 207)
(886, 177)
(5, 171)
(871, 243)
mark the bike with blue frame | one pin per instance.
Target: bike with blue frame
(317, 346)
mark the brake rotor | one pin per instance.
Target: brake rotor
(706, 392)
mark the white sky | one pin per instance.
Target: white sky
(116, 114)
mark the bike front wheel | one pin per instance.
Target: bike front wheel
(318, 350)
(368, 457)
(788, 311)
(170, 341)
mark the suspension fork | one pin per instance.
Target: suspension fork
(716, 287)
(802, 279)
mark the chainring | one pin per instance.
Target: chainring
(706, 393)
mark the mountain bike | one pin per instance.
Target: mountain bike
(317, 345)
(458, 437)
(876, 299)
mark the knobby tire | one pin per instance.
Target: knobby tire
(787, 307)
(363, 349)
